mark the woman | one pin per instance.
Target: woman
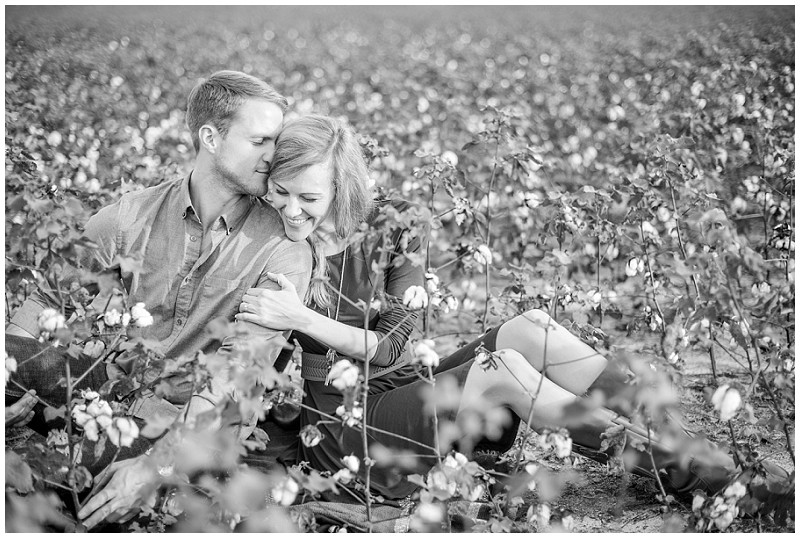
(319, 183)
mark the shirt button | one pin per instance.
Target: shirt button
(179, 321)
(193, 238)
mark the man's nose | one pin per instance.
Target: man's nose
(269, 152)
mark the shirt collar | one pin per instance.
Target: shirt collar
(186, 200)
(235, 212)
(232, 215)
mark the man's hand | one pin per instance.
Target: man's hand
(128, 482)
(21, 412)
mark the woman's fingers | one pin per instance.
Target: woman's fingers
(257, 295)
(281, 279)
(252, 318)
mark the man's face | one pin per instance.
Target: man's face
(243, 159)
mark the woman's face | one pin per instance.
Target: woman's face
(303, 202)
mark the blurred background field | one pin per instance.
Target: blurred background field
(566, 128)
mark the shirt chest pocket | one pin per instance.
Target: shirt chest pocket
(224, 294)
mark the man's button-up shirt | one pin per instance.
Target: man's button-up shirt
(188, 278)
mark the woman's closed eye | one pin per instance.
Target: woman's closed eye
(304, 198)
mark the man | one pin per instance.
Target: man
(203, 241)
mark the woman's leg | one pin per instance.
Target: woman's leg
(552, 350)
(514, 384)
(518, 386)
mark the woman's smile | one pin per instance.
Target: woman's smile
(297, 221)
(304, 201)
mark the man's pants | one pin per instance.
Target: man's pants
(43, 367)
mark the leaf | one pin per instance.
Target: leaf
(156, 425)
(74, 351)
(52, 413)
(258, 440)
(417, 479)
(73, 207)
(673, 523)
(219, 328)
(79, 478)
(562, 257)
(470, 144)
(129, 264)
(100, 446)
(18, 473)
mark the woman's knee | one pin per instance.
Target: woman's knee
(513, 369)
(531, 327)
(539, 317)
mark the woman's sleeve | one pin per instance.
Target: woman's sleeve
(397, 321)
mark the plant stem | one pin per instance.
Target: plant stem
(426, 320)
(765, 384)
(54, 484)
(652, 281)
(99, 360)
(437, 445)
(454, 260)
(711, 353)
(38, 399)
(370, 428)
(365, 393)
(655, 467)
(535, 395)
(487, 276)
(680, 237)
(600, 306)
(97, 482)
(70, 444)
(736, 458)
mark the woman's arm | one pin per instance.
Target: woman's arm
(283, 310)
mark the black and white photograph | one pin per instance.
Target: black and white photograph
(409, 268)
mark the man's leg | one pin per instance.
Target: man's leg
(42, 367)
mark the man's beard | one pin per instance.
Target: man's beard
(236, 184)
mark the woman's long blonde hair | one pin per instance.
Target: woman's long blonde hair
(316, 139)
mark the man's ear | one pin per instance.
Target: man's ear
(209, 138)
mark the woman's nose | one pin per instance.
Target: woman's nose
(292, 208)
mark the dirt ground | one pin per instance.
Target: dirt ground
(601, 502)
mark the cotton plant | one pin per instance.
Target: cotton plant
(719, 511)
(95, 416)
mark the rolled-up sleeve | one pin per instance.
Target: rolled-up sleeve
(293, 260)
(102, 229)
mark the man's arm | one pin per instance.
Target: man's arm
(295, 260)
(122, 492)
(101, 228)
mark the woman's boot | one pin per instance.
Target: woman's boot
(616, 383)
(692, 464)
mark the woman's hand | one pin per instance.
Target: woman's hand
(21, 412)
(280, 310)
